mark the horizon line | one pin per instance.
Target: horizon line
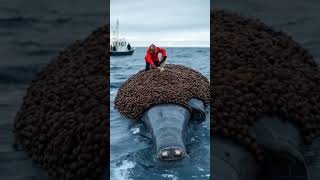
(175, 46)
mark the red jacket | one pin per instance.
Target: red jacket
(151, 58)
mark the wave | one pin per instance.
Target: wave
(115, 84)
(39, 52)
(183, 55)
(19, 74)
(16, 21)
(202, 51)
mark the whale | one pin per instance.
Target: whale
(166, 126)
(62, 122)
(265, 113)
(165, 102)
(283, 157)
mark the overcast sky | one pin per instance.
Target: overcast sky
(167, 23)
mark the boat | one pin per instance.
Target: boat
(120, 47)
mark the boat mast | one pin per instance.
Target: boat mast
(117, 28)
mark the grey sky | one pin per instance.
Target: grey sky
(179, 23)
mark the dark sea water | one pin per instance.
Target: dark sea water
(131, 154)
(32, 33)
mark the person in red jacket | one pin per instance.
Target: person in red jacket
(152, 59)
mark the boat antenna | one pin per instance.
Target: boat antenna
(117, 29)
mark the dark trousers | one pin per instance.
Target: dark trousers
(157, 63)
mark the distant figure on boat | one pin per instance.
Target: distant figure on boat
(113, 48)
(152, 59)
(129, 47)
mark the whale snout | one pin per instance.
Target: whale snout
(170, 143)
(167, 124)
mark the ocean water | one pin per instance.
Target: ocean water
(131, 154)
